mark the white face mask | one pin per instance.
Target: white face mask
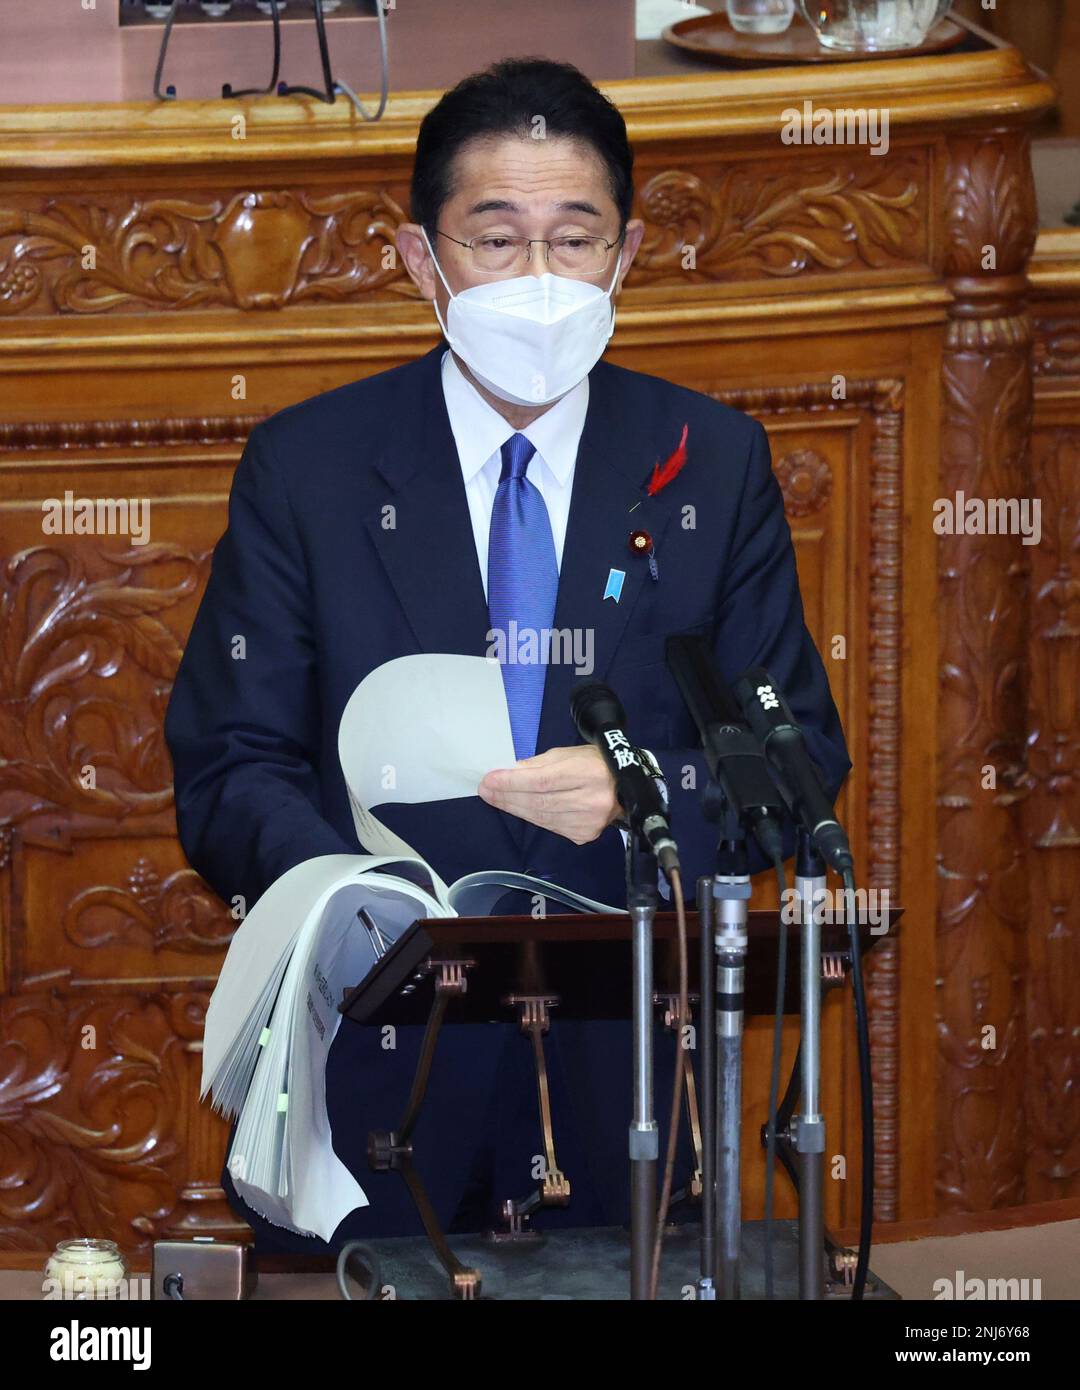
(531, 339)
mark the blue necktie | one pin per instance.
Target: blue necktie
(523, 580)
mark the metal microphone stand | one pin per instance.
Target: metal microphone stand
(731, 894)
(707, 1039)
(808, 1127)
(722, 917)
(641, 901)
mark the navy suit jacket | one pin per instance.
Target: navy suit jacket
(322, 589)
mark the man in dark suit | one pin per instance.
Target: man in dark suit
(491, 487)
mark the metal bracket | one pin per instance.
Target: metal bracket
(534, 1018)
(670, 1004)
(808, 1136)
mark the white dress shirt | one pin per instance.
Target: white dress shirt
(480, 432)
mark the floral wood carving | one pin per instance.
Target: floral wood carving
(64, 634)
(784, 221)
(1057, 346)
(265, 249)
(179, 912)
(250, 250)
(990, 194)
(984, 610)
(983, 895)
(90, 1097)
(1052, 825)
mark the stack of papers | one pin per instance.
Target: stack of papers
(421, 728)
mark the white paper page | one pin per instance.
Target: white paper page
(282, 1161)
(259, 1134)
(233, 1077)
(321, 1189)
(425, 727)
(257, 1154)
(382, 841)
(257, 947)
(476, 894)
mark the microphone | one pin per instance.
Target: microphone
(783, 743)
(601, 720)
(731, 751)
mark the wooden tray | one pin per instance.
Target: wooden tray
(712, 38)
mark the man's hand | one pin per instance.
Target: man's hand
(567, 790)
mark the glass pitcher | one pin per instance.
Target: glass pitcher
(873, 25)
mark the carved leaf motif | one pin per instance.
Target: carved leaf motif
(252, 250)
(1057, 346)
(780, 223)
(88, 1134)
(990, 195)
(346, 222)
(984, 920)
(63, 635)
(180, 912)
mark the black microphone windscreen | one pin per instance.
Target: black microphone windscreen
(760, 698)
(592, 706)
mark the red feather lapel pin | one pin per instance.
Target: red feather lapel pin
(664, 473)
(641, 543)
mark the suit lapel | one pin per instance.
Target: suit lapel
(428, 550)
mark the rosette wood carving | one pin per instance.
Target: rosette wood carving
(805, 479)
(983, 898)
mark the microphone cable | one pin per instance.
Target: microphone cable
(333, 85)
(271, 86)
(286, 89)
(675, 879)
(170, 92)
(866, 1089)
(384, 68)
(358, 1249)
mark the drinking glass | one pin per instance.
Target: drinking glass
(760, 16)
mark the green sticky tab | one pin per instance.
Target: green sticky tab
(264, 1037)
(283, 1101)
